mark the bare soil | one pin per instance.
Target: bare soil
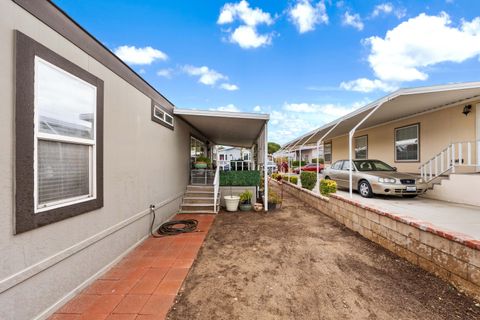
(296, 263)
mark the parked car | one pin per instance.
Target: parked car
(375, 177)
(310, 167)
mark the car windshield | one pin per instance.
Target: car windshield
(372, 165)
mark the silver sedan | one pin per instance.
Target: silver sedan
(375, 177)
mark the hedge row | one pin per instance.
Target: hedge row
(239, 178)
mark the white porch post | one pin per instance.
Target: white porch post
(319, 141)
(350, 153)
(477, 144)
(300, 161)
(265, 173)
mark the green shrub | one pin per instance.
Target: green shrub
(327, 187)
(273, 197)
(275, 176)
(308, 179)
(246, 197)
(294, 180)
(314, 160)
(240, 178)
(202, 158)
(296, 163)
(285, 177)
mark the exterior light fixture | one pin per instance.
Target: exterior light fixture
(467, 109)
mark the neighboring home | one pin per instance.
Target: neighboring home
(87, 147)
(234, 158)
(429, 131)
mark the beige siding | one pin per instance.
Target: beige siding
(437, 130)
(144, 163)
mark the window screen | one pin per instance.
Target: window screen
(63, 171)
(407, 143)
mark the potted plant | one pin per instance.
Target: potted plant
(273, 200)
(202, 162)
(231, 201)
(246, 201)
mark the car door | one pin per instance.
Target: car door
(343, 175)
(334, 171)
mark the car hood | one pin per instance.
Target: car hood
(389, 174)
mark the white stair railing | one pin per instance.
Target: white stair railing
(450, 158)
(216, 188)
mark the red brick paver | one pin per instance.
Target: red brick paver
(143, 284)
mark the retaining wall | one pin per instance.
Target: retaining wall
(453, 257)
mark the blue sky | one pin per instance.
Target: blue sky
(304, 62)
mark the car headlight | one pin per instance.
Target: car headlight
(420, 180)
(386, 180)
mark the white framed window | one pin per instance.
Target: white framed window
(327, 151)
(161, 115)
(64, 138)
(407, 143)
(361, 147)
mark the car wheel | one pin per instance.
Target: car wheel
(409, 196)
(365, 189)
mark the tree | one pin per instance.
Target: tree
(273, 147)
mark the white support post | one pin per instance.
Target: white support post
(265, 173)
(442, 162)
(350, 145)
(453, 158)
(319, 141)
(300, 161)
(469, 153)
(430, 169)
(460, 154)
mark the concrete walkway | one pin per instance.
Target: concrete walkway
(449, 216)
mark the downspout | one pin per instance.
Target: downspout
(350, 145)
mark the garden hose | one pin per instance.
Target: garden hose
(171, 228)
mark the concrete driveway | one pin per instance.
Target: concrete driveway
(450, 216)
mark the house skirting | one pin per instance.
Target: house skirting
(453, 257)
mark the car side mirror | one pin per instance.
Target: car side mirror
(394, 168)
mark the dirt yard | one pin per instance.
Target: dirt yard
(296, 263)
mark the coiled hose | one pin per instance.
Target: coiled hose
(171, 228)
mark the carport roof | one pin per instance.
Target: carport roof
(226, 128)
(398, 105)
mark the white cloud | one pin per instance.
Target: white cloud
(352, 20)
(294, 119)
(421, 42)
(229, 87)
(205, 75)
(166, 73)
(247, 37)
(229, 107)
(306, 16)
(140, 56)
(326, 109)
(246, 34)
(242, 11)
(367, 85)
(257, 109)
(388, 8)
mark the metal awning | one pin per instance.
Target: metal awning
(226, 128)
(398, 105)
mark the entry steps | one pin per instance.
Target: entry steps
(199, 199)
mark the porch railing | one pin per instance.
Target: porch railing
(201, 176)
(459, 154)
(216, 189)
(236, 165)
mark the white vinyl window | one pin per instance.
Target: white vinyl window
(361, 147)
(65, 138)
(327, 152)
(407, 143)
(162, 115)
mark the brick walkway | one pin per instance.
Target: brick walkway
(143, 285)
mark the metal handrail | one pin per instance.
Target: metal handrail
(216, 188)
